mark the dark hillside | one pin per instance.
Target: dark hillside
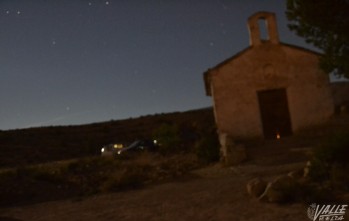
(38, 145)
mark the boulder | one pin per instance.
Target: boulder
(280, 190)
(307, 169)
(296, 174)
(271, 194)
(256, 187)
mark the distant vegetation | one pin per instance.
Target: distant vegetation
(51, 163)
(46, 144)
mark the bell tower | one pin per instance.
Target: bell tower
(255, 29)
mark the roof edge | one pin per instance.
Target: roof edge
(207, 74)
(250, 47)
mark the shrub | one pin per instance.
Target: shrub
(335, 150)
(168, 138)
(130, 177)
(313, 192)
(207, 148)
(43, 173)
(51, 175)
(330, 161)
(90, 173)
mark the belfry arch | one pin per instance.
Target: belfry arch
(255, 29)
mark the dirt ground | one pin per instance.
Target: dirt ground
(212, 193)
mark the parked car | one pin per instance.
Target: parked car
(111, 149)
(139, 145)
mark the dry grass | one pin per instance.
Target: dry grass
(86, 176)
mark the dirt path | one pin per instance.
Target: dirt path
(212, 193)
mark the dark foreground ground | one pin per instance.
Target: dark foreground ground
(210, 193)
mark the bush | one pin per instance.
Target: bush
(313, 192)
(90, 173)
(335, 150)
(331, 161)
(168, 138)
(207, 148)
(129, 177)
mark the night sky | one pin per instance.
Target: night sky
(68, 62)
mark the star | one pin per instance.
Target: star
(18, 12)
(89, 3)
(7, 12)
(107, 3)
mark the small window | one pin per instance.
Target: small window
(263, 29)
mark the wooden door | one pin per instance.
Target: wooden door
(275, 114)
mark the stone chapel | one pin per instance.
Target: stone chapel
(270, 89)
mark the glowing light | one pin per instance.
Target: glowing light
(107, 3)
(278, 136)
(102, 150)
(118, 146)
